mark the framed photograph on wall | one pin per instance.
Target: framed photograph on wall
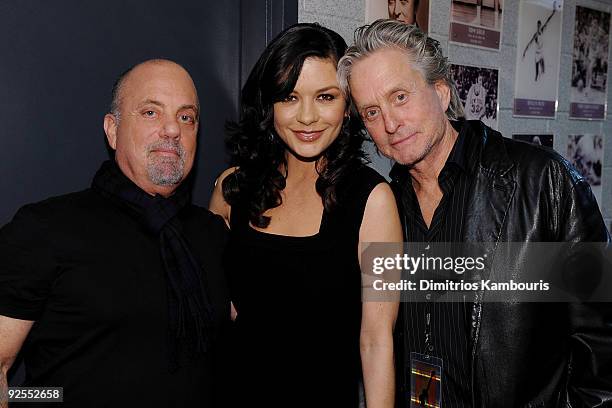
(585, 152)
(478, 89)
(588, 92)
(542, 140)
(407, 11)
(538, 58)
(476, 23)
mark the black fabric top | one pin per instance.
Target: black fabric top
(91, 277)
(449, 322)
(299, 307)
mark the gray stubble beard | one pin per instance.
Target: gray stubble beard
(163, 170)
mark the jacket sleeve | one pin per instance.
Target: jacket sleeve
(590, 370)
(27, 266)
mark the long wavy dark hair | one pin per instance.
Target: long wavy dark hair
(253, 144)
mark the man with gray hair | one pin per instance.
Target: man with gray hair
(460, 181)
(116, 293)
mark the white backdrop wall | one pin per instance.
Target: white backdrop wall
(344, 16)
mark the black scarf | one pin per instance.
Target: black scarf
(190, 311)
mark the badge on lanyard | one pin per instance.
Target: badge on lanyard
(425, 381)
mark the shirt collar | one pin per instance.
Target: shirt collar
(458, 155)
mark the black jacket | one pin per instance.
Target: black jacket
(534, 354)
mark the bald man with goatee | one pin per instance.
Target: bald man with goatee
(115, 293)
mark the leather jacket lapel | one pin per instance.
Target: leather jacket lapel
(491, 192)
(492, 189)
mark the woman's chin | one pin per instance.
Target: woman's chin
(306, 155)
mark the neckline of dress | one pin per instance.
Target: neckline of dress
(272, 235)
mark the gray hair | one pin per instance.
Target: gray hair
(424, 52)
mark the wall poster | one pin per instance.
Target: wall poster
(538, 58)
(407, 11)
(585, 152)
(476, 23)
(478, 90)
(588, 93)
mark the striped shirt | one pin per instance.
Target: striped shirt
(449, 322)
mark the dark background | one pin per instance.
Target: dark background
(59, 60)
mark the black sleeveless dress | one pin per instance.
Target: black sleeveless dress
(298, 299)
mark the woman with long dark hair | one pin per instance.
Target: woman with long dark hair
(299, 201)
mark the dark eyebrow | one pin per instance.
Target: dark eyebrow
(329, 88)
(324, 89)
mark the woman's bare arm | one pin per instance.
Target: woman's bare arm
(380, 223)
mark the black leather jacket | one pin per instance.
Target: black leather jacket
(534, 354)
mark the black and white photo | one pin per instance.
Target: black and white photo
(478, 90)
(537, 58)
(585, 152)
(406, 11)
(590, 64)
(476, 23)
